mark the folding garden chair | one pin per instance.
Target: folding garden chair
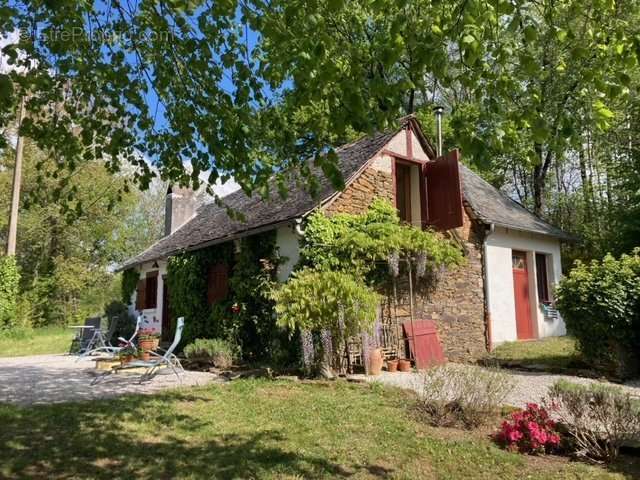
(106, 346)
(154, 365)
(85, 336)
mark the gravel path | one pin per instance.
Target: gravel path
(42, 379)
(529, 386)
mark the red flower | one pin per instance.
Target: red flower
(530, 431)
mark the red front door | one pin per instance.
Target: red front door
(524, 325)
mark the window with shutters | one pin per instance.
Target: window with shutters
(542, 280)
(217, 283)
(151, 290)
(409, 194)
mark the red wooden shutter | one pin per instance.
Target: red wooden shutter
(140, 297)
(217, 283)
(444, 197)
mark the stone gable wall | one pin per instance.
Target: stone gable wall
(356, 198)
(457, 301)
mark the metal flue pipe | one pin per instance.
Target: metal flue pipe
(439, 110)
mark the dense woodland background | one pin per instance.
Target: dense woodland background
(540, 96)
(67, 255)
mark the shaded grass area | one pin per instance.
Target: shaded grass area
(555, 353)
(38, 341)
(257, 429)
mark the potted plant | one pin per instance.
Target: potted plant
(404, 365)
(392, 365)
(127, 354)
(148, 340)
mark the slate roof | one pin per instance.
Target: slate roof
(490, 205)
(212, 225)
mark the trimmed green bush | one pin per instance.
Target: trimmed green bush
(9, 282)
(216, 351)
(600, 304)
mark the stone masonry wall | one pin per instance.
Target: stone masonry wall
(356, 198)
(457, 302)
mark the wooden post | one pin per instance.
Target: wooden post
(411, 313)
(17, 179)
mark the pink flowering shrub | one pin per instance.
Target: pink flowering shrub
(529, 431)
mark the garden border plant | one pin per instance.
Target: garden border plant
(599, 418)
(461, 395)
(600, 304)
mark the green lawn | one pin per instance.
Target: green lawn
(552, 352)
(258, 429)
(37, 342)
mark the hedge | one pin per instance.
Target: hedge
(600, 304)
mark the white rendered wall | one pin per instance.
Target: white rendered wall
(152, 317)
(499, 278)
(288, 246)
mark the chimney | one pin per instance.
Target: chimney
(180, 207)
(438, 110)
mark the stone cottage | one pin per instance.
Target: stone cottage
(503, 292)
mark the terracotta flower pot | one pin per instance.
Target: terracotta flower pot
(147, 344)
(145, 356)
(375, 361)
(125, 360)
(392, 365)
(404, 365)
(156, 343)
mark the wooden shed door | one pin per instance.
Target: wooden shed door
(524, 325)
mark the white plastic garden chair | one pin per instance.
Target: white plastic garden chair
(109, 349)
(153, 366)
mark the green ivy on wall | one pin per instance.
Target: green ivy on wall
(187, 275)
(246, 317)
(130, 279)
(254, 276)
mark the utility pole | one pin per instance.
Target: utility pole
(17, 179)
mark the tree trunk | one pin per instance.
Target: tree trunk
(585, 185)
(538, 190)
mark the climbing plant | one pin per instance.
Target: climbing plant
(326, 300)
(246, 316)
(253, 277)
(358, 244)
(130, 279)
(187, 275)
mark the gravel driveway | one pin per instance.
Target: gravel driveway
(529, 386)
(42, 379)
